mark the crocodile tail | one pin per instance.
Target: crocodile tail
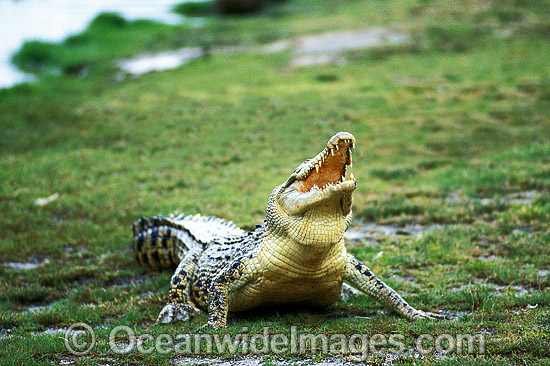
(162, 242)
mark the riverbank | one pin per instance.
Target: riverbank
(34, 20)
(453, 202)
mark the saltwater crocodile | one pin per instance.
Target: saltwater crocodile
(296, 256)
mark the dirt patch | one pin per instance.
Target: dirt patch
(336, 42)
(365, 233)
(498, 290)
(5, 333)
(40, 308)
(522, 198)
(320, 49)
(516, 198)
(328, 48)
(19, 266)
(318, 59)
(409, 280)
(50, 331)
(125, 281)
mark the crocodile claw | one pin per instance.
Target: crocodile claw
(172, 313)
(216, 325)
(210, 325)
(419, 314)
(349, 292)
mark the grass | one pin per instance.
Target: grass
(194, 9)
(452, 134)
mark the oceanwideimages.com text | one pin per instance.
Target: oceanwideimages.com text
(80, 339)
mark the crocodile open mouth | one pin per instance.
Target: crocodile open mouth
(330, 166)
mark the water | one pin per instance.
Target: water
(54, 20)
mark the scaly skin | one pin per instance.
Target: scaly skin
(297, 256)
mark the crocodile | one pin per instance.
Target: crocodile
(296, 256)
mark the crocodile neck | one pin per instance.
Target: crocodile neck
(312, 250)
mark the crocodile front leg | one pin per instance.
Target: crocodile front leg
(218, 305)
(180, 306)
(360, 276)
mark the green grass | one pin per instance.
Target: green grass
(452, 133)
(194, 9)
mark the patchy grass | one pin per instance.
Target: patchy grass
(452, 130)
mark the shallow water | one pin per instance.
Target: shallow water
(54, 20)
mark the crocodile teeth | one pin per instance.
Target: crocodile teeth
(351, 177)
(336, 147)
(332, 152)
(317, 167)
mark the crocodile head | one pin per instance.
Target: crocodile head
(313, 206)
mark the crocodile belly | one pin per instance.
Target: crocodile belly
(265, 292)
